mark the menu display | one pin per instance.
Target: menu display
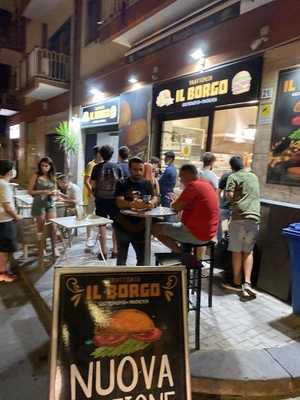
(115, 337)
(284, 157)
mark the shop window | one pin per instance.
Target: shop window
(233, 133)
(93, 15)
(187, 138)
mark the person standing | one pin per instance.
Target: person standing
(123, 160)
(42, 187)
(134, 192)
(104, 178)
(8, 217)
(242, 190)
(206, 172)
(167, 181)
(88, 197)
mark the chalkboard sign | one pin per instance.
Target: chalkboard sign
(119, 334)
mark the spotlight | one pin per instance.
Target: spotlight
(133, 80)
(197, 54)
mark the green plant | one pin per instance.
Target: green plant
(66, 138)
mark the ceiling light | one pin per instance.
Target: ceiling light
(100, 22)
(94, 91)
(197, 54)
(133, 80)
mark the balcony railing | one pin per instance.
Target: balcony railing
(113, 8)
(43, 63)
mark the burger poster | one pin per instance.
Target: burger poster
(234, 83)
(119, 334)
(284, 156)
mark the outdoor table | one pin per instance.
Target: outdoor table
(72, 223)
(26, 201)
(157, 212)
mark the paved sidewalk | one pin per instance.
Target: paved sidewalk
(251, 347)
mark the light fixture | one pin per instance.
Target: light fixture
(100, 22)
(197, 54)
(97, 95)
(133, 80)
(94, 91)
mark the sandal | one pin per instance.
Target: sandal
(100, 257)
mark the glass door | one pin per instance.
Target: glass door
(187, 138)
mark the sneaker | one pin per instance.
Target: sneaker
(248, 292)
(5, 277)
(234, 287)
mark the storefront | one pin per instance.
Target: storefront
(100, 126)
(215, 110)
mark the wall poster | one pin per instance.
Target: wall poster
(115, 335)
(284, 157)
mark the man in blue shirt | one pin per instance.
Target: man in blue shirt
(167, 181)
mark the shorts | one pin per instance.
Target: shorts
(179, 232)
(8, 237)
(242, 235)
(106, 208)
(40, 207)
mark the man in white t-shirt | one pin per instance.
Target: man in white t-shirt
(206, 172)
(72, 195)
(8, 217)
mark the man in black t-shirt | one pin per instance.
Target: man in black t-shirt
(133, 193)
(104, 178)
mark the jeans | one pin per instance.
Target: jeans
(123, 241)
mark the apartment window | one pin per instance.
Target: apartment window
(93, 15)
(60, 41)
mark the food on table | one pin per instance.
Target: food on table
(128, 331)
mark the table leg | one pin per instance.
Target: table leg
(61, 234)
(147, 256)
(99, 247)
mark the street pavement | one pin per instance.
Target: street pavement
(25, 313)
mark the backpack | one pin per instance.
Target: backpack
(107, 178)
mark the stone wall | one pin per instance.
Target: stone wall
(283, 57)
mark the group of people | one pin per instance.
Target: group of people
(109, 187)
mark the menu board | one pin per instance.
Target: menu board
(284, 157)
(119, 334)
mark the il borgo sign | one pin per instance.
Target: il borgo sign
(115, 336)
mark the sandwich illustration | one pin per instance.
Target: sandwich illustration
(297, 107)
(241, 82)
(164, 98)
(127, 331)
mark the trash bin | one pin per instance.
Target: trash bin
(293, 235)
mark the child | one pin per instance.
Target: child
(8, 216)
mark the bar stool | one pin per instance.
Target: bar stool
(194, 276)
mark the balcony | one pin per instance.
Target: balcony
(112, 17)
(9, 105)
(43, 74)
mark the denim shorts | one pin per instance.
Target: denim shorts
(242, 235)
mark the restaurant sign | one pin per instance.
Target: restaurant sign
(101, 114)
(114, 335)
(234, 83)
(284, 157)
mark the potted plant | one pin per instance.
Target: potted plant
(67, 141)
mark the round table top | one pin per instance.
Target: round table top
(155, 212)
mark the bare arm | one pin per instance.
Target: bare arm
(33, 192)
(11, 211)
(178, 205)
(122, 203)
(87, 182)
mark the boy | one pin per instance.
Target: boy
(8, 216)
